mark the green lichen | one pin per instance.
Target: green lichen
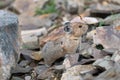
(50, 7)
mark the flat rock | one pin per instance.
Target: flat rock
(110, 74)
(106, 62)
(76, 71)
(45, 73)
(9, 43)
(106, 35)
(16, 78)
(30, 38)
(75, 6)
(27, 77)
(70, 60)
(28, 6)
(40, 69)
(115, 1)
(5, 3)
(31, 22)
(24, 63)
(116, 56)
(22, 70)
(104, 10)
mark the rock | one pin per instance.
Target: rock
(106, 36)
(31, 22)
(30, 38)
(75, 6)
(16, 78)
(31, 54)
(28, 6)
(60, 6)
(27, 77)
(106, 62)
(59, 67)
(88, 50)
(115, 1)
(88, 77)
(24, 63)
(70, 60)
(97, 54)
(72, 78)
(116, 56)
(19, 69)
(5, 3)
(110, 74)
(40, 69)
(90, 35)
(104, 10)
(44, 72)
(9, 43)
(76, 71)
(37, 55)
(112, 19)
(109, 51)
(87, 20)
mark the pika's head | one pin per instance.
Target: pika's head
(75, 29)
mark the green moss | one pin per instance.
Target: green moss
(101, 23)
(49, 8)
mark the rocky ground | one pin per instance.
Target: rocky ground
(67, 39)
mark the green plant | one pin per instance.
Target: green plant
(101, 23)
(49, 8)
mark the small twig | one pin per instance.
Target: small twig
(53, 27)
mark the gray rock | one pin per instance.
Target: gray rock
(75, 6)
(115, 1)
(40, 69)
(27, 77)
(109, 51)
(101, 10)
(43, 72)
(106, 62)
(29, 22)
(5, 3)
(16, 78)
(24, 63)
(111, 19)
(116, 56)
(110, 74)
(19, 69)
(28, 6)
(75, 72)
(46, 74)
(9, 43)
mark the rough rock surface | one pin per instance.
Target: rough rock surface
(5, 3)
(28, 6)
(8, 43)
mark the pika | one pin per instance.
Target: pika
(63, 41)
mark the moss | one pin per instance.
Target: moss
(101, 23)
(50, 7)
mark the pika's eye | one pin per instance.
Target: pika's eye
(80, 26)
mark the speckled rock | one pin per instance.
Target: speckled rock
(9, 43)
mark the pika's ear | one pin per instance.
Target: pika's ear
(67, 27)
